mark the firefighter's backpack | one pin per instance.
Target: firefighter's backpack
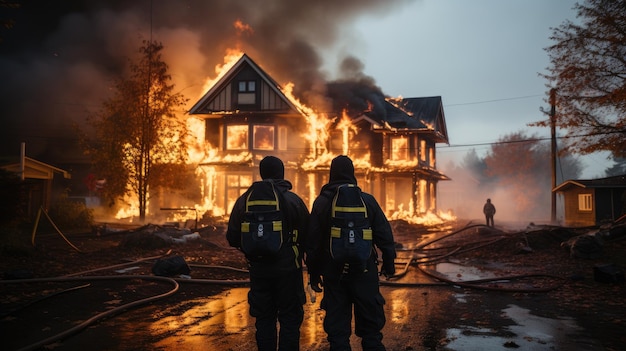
(263, 227)
(350, 232)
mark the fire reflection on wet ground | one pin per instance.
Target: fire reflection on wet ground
(208, 322)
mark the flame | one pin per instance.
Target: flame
(231, 57)
(318, 131)
(320, 127)
(345, 125)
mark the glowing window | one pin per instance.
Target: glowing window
(236, 185)
(423, 150)
(585, 202)
(263, 137)
(237, 137)
(399, 148)
(282, 138)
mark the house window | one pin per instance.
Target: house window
(336, 141)
(236, 185)
(237, 137)
(423, 150)
(422, 197)
(263, 137)
(246, 92)
(282, 138)
(399, 148)
(584, 202)
(431, 157)
(398, 194)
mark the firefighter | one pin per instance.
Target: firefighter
(489, 210)
(348, 290)
(276, 284)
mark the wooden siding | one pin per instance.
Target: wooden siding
(270, 101)
(222, 102)
(573, 216)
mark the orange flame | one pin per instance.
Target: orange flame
(318, 134)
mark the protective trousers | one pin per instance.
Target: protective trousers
(273, 299)
(362, 292)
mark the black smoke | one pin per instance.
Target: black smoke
(61, 57)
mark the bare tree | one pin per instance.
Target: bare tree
(139, 131)
(588, 71)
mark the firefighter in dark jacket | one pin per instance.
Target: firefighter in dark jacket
(345, 290)
(276, 286)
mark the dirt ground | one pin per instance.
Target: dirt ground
(96, 290)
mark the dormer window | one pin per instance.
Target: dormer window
(246, 93)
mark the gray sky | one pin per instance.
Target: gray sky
(482, 57)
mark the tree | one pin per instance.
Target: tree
(617, 169)
(138, 131)
(588, 71)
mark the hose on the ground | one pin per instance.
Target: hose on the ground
(475, 284)
(99, 316)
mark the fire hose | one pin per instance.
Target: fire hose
(420, 261)
(78, 277)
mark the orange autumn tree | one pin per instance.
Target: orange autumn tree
(139, 137)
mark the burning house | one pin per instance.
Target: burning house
(392, 142)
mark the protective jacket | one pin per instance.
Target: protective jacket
(290, 256)
(319, 261)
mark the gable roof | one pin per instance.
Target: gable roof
(609, 182)
(206, 104)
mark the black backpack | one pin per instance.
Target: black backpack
(350, 232)
(264, 226)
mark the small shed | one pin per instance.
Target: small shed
(37, 177)
(594, 201)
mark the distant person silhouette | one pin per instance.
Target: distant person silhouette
(489, 210)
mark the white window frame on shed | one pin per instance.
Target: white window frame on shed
(585, 202)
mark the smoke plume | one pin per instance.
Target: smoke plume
(61, 58)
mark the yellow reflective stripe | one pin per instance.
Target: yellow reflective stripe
(351, 209)
(294, 235)
(296, 254)
(277, 226)
(367, 234)
(245, 227)
(335, 232)
(262, 202)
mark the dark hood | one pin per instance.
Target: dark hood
(272, 167)
(341, 172)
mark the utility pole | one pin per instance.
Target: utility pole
(553, 150)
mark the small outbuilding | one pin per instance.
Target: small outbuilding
(37, 178)
(593, 202)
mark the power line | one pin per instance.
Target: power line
(496, 100)
(527, 140)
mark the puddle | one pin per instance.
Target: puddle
(222, 322)
(461, 273)
(530, 332)
(207, 324)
